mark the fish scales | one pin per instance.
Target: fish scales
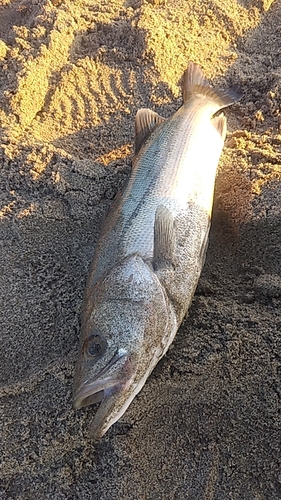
(159, 176)
(151, 251)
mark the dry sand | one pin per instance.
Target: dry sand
(207, 424)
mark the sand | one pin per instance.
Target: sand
(207, 424)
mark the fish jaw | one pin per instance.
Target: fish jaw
(114, 404)
(114, 391)
(131, 311)
(109, 380)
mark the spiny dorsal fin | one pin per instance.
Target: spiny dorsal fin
(145, 122)
(164, 238)
(219, 123)
(195, 84)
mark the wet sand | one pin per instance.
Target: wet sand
(207, 423)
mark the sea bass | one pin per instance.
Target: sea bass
(151, 250)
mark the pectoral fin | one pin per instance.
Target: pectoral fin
(164, 239)
(145, 122)
(204, 246)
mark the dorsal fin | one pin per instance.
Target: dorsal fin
(145, 122)
(219, 123)
(164, 238)
(195, 84)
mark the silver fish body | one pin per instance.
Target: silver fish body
(150, 252)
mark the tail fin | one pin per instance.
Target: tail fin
(195, 84)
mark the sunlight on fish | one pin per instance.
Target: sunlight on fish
(151, 250)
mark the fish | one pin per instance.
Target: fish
(151, 250)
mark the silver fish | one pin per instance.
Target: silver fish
(151, 250)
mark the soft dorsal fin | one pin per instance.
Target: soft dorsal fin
(219, 123)
(164, 238)
(195, 84)
(145, 122)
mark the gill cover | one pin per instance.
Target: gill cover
(124, 334)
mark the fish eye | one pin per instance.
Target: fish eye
(95, 346)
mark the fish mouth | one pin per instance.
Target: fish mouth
(94, 390)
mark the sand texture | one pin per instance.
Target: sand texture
(207, 424)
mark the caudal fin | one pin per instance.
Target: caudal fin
(195, 84)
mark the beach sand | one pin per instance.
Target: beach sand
(207, 423)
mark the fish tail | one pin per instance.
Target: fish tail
(195, 84)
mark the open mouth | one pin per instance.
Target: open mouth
(82, 402)
(93, 391)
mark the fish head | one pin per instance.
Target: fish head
(126, 329)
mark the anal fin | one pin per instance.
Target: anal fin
(164, 239)
(219, 123)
